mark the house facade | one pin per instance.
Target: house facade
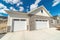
(3, 24)
(38, 18)
(57, 20)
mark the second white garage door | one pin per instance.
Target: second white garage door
(42, 24)
(20, 25)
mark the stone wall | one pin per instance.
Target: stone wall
(33, 19)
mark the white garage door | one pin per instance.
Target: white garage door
(20, 25)
(42, 24)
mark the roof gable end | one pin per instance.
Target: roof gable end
(38, 9)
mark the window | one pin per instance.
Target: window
(16, 19)
(38, 20)
(42, 20)
(41, 11)
(23, 20)
(20, 19)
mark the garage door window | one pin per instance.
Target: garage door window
(41, 20)
(19, 19)
(16, 19)
(23, 20)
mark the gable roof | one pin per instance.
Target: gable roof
(14, 12)
(40, 8)
(30, 12)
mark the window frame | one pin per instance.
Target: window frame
(41, 11)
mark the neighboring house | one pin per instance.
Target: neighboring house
(3, 18)
(3, 24)
(36, 19)
(57, 20)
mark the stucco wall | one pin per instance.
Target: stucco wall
(12, 16)
(43, 14)
(30, 20)
(35, 17)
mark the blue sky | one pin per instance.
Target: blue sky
(53, 6)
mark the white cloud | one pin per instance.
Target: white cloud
(35, 5)
(12, 8)
(2, 11)
(37, 1)
(21, 8)
(12, 1)
(3, 7)
(27, 10)
(56, 2)
(20, 3)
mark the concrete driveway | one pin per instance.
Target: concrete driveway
(42, 34)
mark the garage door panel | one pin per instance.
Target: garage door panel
(19, 25)
(42, 24)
